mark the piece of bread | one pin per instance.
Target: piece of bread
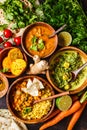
(18, 66)
(6, 64)
(8, 122)
(14, 54)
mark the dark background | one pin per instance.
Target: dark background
(82, 122)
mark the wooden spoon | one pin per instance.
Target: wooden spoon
(51, 97)
(76, 72)
(57, 31)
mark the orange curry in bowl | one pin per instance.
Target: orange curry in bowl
(37, 41)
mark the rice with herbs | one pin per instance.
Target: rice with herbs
(23, 103)
(39, 110)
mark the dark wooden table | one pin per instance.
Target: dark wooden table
(80, 125)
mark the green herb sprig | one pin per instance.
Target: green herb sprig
(37, 44)
(4, 70)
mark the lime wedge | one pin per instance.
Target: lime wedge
(64, 103)
(64, 39)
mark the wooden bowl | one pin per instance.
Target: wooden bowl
(50, 75)
(3, 54)
(4, 80)
(40, 31)
(15, 113)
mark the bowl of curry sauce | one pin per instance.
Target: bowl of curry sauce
(36, 41)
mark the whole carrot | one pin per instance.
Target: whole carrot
(76, 105)
(76, 116)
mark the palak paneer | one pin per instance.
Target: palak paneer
(60, 70)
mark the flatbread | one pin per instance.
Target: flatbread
(8, 122)
(14, 54)
(18, 66)
(6, 63)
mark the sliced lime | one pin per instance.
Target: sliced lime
(64, 103)
(64, 39)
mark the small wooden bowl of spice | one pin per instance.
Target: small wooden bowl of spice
(3, 85)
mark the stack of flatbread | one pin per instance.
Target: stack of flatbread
(7, 121)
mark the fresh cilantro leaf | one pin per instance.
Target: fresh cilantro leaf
(9, 16)
(40, 44)
(2, 27)
(27, 110)
(21, 24)
(34, 39)
(4, 70)
(14, 26)
(33, 47)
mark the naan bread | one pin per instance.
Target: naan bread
(7, 121)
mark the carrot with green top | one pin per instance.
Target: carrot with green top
(76, 116)
(76, 105)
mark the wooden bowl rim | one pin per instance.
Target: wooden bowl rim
(36, 24)
(5, 80)
(83, 54)
(35, 120)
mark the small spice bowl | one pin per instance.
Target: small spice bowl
(6, 62)
(4, 84)
(36, 41)
(21, 103)
(61, 64)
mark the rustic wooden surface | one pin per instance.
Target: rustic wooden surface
(80, 125)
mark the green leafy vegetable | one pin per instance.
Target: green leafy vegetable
(34, 44)
(27, 110)
(40, 44)
(60, 12)
(37, 44)
(54, 12)
(4, 70)
(33, 47)
(15, 11)
(2, 27)
(34, 39)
